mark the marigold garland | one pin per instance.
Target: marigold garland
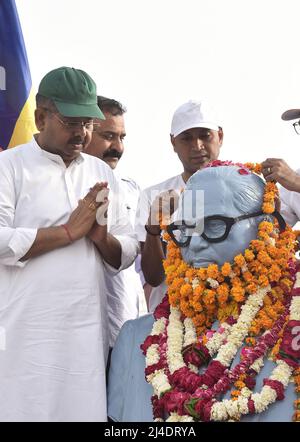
(263, 275)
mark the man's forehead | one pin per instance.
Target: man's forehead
(193, 130)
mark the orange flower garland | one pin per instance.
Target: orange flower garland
(207, 294)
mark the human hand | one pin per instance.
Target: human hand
(84, 216)
(162, 208)
(98, 231)
(275, 169)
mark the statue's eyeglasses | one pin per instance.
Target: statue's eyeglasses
(216, 228)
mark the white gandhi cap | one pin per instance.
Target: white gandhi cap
(193, 114)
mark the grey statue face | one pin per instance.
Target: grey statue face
(227, 193)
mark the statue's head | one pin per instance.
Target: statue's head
(231, 199)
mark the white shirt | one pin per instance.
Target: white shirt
(53, 307)
(146, 199)
(125, 289)
(290, 205)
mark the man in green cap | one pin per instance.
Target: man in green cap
(59, 235)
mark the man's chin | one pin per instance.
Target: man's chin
(112, 162)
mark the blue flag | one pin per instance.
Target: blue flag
(16, 97)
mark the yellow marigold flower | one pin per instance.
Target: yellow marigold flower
(199, 319)
(190, 273)
(209, 297)
(226, 269)
(258, 245)
(263, 281)
(240, 384)
(240, 260)
(266, 226)
(254, 167)
(238, 293)
(212, 271)
(264, 258)
(197, 306)
(223, 289)
(198, 291)
(268, 208)
(248, 277)
(250, 341)
(249, 255)
(251, 288)
(201, 273)
(186, 289)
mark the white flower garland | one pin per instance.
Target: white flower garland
(218, 339)
(240, 330)
(228, 408)
(183, 334)
(175, 341)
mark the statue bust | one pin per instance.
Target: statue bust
(230, 274)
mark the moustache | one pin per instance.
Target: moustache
(112, 153)
(77, 141)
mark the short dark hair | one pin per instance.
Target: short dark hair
(46, 102)
(111, 106)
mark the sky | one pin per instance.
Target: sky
(240, 56)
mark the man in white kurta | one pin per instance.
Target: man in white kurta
(53, 306)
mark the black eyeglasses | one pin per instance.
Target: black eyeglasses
(74, 125)
(297, 127)
(216, 228)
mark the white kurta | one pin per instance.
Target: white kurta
(290, 205)
(125, 289)
(53, 307)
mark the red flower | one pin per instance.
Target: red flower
(152, 368)
(158, 407)
(213, 373)
(196, 354)
(185, 379)
(175, 401)
(250, 382)
(163, 309)
(251, 406)
(203, 409)
(243, 172)
(277, 386)
(149, 341)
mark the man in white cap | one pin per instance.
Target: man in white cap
(276, 169)
(196, 136)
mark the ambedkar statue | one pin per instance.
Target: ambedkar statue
(224, 344)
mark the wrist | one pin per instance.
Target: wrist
(98, 234)
(68, 233)
(156, 231)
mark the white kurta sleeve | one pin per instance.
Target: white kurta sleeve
(14, 241)
(286, 209)
(120, 227)
(142, 214)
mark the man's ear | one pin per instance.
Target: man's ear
(172, 139)
(40, 118)
(221, 136)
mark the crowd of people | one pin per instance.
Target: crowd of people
(81, 245)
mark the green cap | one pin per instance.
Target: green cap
(73, 91)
